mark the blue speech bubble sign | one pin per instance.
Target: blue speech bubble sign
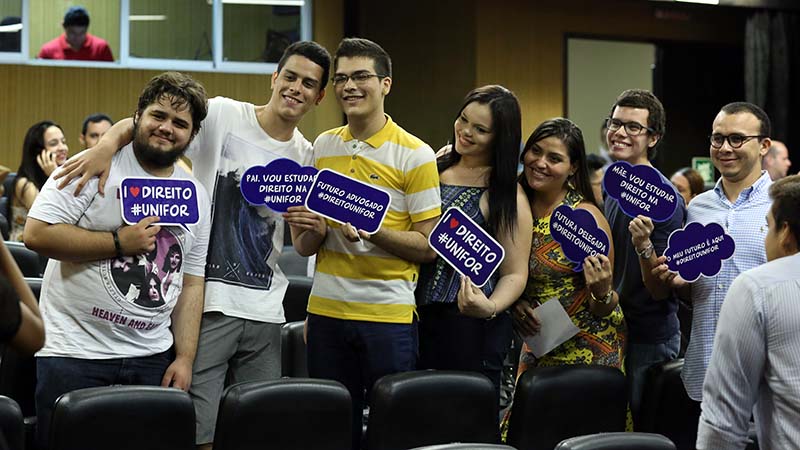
(698, 249)
(347, 200)
(280, 184)
(466, 246)
(173, 200)
(577, 232)
(640, 190)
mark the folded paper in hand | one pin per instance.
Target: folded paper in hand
(556, 328)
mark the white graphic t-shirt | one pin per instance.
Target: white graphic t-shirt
(118, 307)
(242, 275)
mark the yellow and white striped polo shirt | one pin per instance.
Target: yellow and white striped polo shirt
(360, 281)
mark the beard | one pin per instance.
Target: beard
(151, 156)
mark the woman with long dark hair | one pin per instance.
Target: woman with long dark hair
(461, 326)
(43, 150)
(555, 174)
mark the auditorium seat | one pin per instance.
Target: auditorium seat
(414, 409)
(123, 418)
(30, 263)
(666, 408)
(286, 414)
(295, 301)
(293, 350)
(466, 446)
(291, 263)
(555, 403)
(617, 441)
(11, 424)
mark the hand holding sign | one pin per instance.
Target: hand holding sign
(466, 246)
(347, 200)
(139, 238)
(173, 200)
(640, 190)
(577, 232)
(280, 184)
(698, 249)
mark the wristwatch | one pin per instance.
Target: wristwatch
(646, 252)
(605, 300)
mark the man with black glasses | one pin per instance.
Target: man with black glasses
(739, 202)
(635, 128)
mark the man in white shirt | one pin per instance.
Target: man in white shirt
(108, 321)
(756, 356)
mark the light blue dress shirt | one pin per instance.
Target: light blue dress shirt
(756, 362)
(746, 222)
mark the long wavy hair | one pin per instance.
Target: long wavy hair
(32, 146)
(507, 126)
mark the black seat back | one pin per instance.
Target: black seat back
(293, 350)
(11, 423)
(123, 418)
(30, 263)
(414, 409)
(667, 408)
(286, 414)
(555, 403)
(617, 441)
(295, 301)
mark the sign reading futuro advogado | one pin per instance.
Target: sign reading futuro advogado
(173, 200)
(640, 190)
(347, 200)
(466, 246)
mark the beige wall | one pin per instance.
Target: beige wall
(66, 94)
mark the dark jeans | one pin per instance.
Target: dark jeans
(357, 354)
(57, 376)
(449, 340)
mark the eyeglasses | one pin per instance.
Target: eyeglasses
(734, 140)
(359, 78)
(632, 128)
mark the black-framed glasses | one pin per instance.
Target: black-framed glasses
(358, 78)
(632, 128)
(734, 140)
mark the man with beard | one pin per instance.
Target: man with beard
(97, 334)
(243, 314)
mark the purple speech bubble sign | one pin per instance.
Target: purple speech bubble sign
(466, 246)
(577, 232)
(173, 200)
(347, 200)
(640, 190)
(698, 249)
(280, 184)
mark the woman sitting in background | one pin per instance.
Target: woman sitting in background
(555, 173)
(688, 182)
(44, 149)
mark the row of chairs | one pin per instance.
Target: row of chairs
(410, 410)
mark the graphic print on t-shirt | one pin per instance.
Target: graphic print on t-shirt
(150, 281)
(241, 240)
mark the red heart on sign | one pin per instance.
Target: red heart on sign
(453, 223)
(134, 190)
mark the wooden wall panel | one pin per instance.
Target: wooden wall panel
(521, 43)
(66, 94)
(47, 15)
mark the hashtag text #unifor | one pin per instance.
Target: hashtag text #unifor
(161, 210)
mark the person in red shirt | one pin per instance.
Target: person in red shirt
(76, 43)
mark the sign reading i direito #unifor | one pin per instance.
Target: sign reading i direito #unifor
(347, 200)
(173, 200)
(466, 246)
(640, 190)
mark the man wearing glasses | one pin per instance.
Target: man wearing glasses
(739, 202)
(361, 309)
(635, 129)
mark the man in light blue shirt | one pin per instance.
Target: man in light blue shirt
(739, 202)
(756, 357)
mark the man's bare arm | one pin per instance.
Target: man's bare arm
(186, 319)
